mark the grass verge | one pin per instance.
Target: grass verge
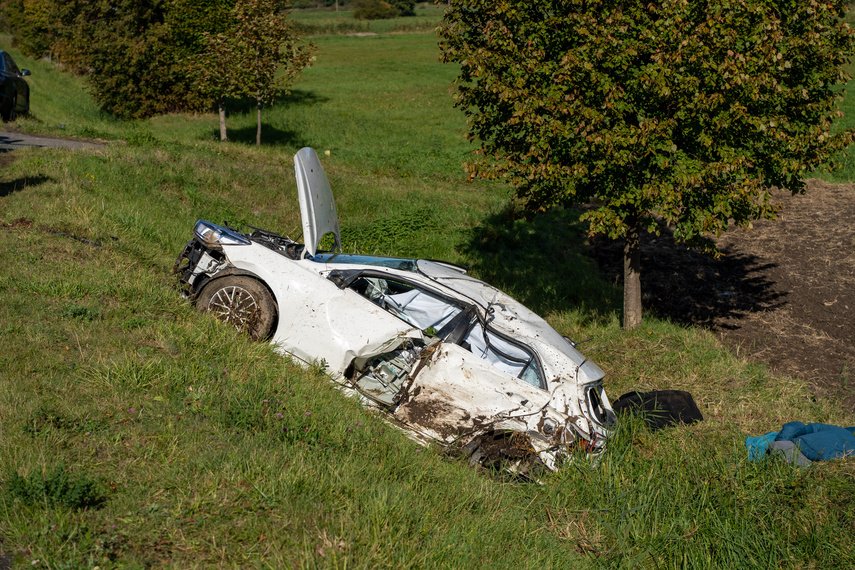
(139, 433)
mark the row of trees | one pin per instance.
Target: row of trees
(683, 111)
(145, 57)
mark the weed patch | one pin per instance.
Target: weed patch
(80, 313)
(392, 232)
(56, 487)
(45, 421)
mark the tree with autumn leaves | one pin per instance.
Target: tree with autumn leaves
(683, 112)
(275, 56)
(260, 56)
(145, 57)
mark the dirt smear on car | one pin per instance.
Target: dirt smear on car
(783, 292)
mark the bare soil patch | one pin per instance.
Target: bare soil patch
(17, 224)
(784, 291)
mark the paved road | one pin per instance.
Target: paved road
(11, 141)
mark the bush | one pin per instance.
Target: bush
(57, 487)
(373, 10)
(404, 7)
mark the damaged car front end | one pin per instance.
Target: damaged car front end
(444, 356)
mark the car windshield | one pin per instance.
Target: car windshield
(9, 64)
(352, 259)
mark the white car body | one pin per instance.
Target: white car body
(445, 356)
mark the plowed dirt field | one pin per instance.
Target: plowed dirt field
(783, 292)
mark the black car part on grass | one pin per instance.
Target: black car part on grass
(661, 408)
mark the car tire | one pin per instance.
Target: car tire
(242, 302)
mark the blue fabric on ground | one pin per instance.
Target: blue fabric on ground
(757, 446)
(819, 442)
(790, 452)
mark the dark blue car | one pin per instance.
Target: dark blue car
(14, 91)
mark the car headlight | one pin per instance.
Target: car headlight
(213, 235)
(598, 406)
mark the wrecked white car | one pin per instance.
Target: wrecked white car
(445, 356)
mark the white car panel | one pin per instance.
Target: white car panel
(318, 322)
(443, 355)
(317, 205)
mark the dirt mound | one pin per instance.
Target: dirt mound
(784, 291)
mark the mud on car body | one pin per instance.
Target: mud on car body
(444, 356)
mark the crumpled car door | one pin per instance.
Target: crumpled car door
(458, 393)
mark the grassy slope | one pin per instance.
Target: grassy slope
(107, 373)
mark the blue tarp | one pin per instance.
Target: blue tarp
(757, 446)
(817, 442)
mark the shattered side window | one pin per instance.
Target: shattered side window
(505, 355)
(532, 375)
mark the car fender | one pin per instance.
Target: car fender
(318, 322)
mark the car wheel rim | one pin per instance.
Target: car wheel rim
(235, 306)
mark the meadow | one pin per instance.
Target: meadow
(139, 433)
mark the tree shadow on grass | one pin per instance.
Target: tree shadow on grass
(689, 287)
(541, 262)
(8, 187)
(296, 98)
(269, 136)
(550, 265)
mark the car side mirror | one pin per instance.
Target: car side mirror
(25, 72)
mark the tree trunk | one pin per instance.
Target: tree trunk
(258, 99)
(632, 277)
(222, 109)
(258, 128)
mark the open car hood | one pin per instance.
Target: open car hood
(317, 206)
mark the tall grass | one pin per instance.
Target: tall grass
(205, 450)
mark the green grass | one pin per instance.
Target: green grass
(139, 433)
